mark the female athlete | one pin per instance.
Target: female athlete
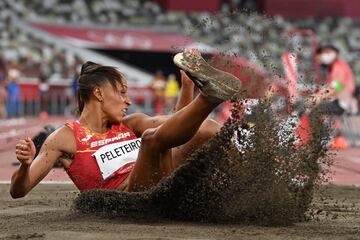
(103, 149)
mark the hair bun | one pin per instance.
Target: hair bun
(88, 68)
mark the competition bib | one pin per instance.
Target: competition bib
(113, 156)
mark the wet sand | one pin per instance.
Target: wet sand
(46, 214)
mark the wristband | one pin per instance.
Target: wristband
(337, 86)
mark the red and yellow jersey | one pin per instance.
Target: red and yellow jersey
(84, 170)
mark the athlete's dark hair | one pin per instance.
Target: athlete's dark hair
(95, 75)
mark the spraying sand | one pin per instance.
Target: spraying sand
(269, 181)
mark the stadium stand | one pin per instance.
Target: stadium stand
(241, 34)
(37, 54)
(253, 36)
(32, 55)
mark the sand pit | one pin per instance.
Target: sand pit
(263, 177)
(46, 214)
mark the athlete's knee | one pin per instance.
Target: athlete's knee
(148, 139)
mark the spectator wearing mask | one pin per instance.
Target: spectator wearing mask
(340, 89)
(339, 80)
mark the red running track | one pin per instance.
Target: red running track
(345, 171)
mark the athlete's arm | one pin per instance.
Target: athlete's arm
(139, 122)
(32, 171)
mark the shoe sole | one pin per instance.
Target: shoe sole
(223, 84)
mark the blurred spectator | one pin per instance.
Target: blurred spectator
(171, 92)
(252, 36)
(3, 92)
(3, 97)
(339, 79)
(44, 96)
(158, 87)
(2, 69)
(13, 100)
(255, 37)
(74, 90)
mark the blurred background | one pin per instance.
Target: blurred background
(280, 44)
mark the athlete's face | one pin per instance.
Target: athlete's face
(115, 102)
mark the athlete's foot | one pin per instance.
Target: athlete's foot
(216, 85)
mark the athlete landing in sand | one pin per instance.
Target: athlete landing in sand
(105, 137)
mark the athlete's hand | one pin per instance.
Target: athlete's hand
(25, 151)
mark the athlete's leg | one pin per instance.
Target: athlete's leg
(155, 155)
(155, 158)
(207, 130)
(173, 158)
(186, 94)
